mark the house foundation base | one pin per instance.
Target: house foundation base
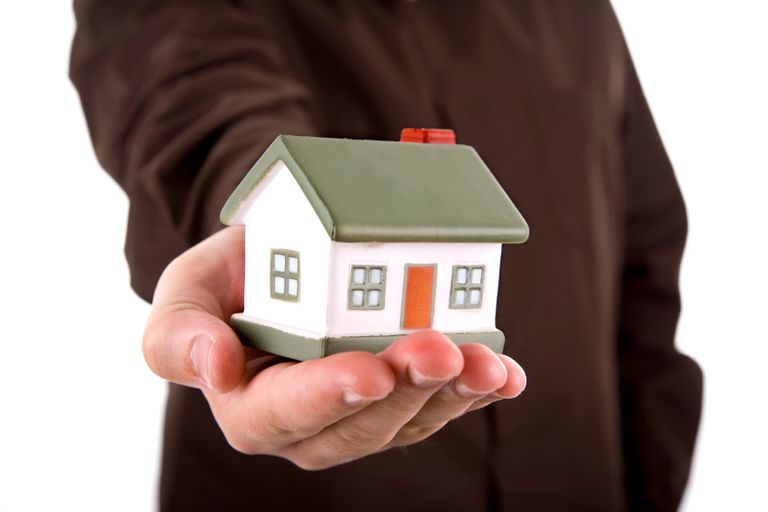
(294, 346)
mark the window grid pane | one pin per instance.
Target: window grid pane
(366, 287)
(284, 275)
(467, 287)
(373, 298)
(279, 262)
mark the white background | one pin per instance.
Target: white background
(81, 416)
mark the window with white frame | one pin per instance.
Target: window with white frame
(284, 275)
(467, 286)
(366, 287)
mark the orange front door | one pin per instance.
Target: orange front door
(418, 299)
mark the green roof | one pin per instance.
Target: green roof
(381, 191)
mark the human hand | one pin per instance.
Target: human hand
(317, 413)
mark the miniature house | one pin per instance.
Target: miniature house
(349, 244)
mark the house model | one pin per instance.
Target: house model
(350, 244)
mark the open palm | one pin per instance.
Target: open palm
(316, 413)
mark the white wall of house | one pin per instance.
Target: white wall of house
(345, 322)
(279, 216)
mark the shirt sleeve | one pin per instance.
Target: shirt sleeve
(180, 99)
(660, 388)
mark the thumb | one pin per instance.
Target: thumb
(187, 339)
(193, 348)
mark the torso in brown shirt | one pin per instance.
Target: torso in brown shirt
(547, 95)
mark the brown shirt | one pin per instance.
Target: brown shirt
(181, 97)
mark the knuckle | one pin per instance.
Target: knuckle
(357, 438)
(240, 431)
(312, 463)
(242, 444)
(273, 427)
(413, 433)
(240, 439)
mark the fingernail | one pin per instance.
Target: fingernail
(422, 381)
(525, 379)
(200, 354)
(465, 391)
(352, 397)
(520, 374)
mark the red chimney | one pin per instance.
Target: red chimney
(428, 135)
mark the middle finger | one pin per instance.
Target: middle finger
(483, 374)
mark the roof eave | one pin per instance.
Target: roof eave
(368, 234)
